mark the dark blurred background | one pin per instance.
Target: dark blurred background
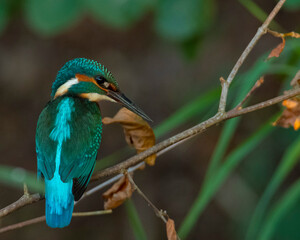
(166, 55)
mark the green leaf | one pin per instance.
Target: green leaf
(248, 79)
(214, 183)
(280, 209)
(16, 177)
(49, 17)
(135, 221)
(118, 13)
(288, 162)
(182, 20)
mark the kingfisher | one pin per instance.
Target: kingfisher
(69, 131)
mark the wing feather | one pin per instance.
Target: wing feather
(45, 147)
(80, 151)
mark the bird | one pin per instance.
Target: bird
(68, 134)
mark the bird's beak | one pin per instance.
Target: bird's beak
(121, 98)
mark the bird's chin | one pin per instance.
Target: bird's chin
(95, 97)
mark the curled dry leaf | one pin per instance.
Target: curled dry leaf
(118, 193)
(291, 115)
(170, 228)
(277, 51)
(138, 133)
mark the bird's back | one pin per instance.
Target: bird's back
(67, 140)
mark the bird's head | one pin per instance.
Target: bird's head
(89, 79)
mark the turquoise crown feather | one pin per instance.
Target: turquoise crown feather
(82, 66)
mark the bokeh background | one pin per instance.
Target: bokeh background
(167, 55)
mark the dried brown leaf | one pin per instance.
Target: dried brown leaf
(118, 193)
(290, 117)
(170, 228)
(138, 133)
(277, 51)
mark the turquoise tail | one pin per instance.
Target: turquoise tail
(59, 202)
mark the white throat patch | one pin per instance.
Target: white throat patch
(65, 87)
(95, 97)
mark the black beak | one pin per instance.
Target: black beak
(121, 98)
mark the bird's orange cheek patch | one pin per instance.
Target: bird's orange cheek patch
(84, 78)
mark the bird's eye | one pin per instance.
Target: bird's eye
(100, 80)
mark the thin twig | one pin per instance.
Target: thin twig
(22, 224)
(129, 170)
(283, 35)
(260, 32)
(159, 213)
(26, 199)
(43, 218)
(110, 181)
(258, 83)
(289, 94)
(92, 213)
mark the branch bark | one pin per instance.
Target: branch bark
(118, 168)
(26, 199)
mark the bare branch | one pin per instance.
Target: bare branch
(260, 32)
(289, 94)
(192, 132)
(92, 213)
(22, 224)
(258, 83)
(26, 199)
(43, 218)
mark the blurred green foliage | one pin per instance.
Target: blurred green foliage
(289, 160)
(4, 14)
(119, 14)
(50, 17)
(16, 177)
(292, 5)
(219, 170)
(181, 20)
(176, 20)
(134, 220)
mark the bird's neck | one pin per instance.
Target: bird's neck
(72, 106)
